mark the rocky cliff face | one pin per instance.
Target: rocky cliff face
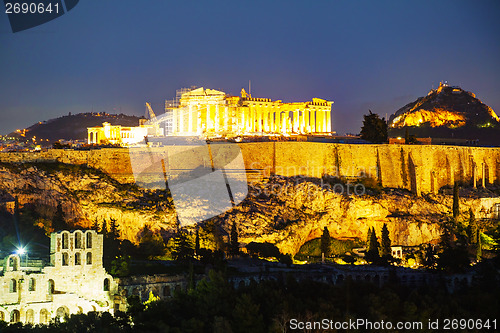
(282, 210)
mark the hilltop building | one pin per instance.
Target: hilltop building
(122, 135)
(74, 282)
(213, 113)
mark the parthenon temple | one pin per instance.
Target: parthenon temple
(211, 112)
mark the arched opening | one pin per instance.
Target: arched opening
(166, 291)
(241, 284)
(78, 240)
(13, 286)
(106, 284)
(44, 316)
(32, 285)
(62, 312)
(30, 316)
(2, 316)
(89, 258)
(15, 316)
(80, 310)
(177, 288)
(340, 278)
(135, 292)
(65, 240)
(13, 263)
(78, 259)
(65, 259)
(52, 287)
(89, 240)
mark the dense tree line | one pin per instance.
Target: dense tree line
(214, 305)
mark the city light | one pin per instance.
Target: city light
(21, 251)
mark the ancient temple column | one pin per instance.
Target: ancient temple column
(226, 118)
(295, 127)
(208, 125)
(190, 119)
(181, 120)
(328, 121)
(175, 116)
(474, 174)
(307, 128)
(216, 118)
(259, 119)
(313, 121)
(484, 175)
(283, 122)
(242, 111)
(272, 123)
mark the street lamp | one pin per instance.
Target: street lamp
(21, 251)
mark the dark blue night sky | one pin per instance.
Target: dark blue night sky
(115, 55)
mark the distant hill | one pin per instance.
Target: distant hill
(447, 112)
(74, 127)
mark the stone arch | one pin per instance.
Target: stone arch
(78, 258)
(44, 316)
(62, 312)
(106, 284)
(15, 316)
(166, 291)
(65, 259)
(78, 239)
(12, 285)
(51, 287)
(32, 284)
(88, 240)
(89, 258)
(79, 310)
(65, 240)
(30, 316)
(13, 262)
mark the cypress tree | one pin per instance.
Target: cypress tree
(372, 254)
(368, 238)
(385, 246)
(59, 223)
(325, 242)
(473, 231)
(234, 244)
(197, 242)
(456, 202)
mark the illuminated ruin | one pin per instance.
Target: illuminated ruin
(213, 113)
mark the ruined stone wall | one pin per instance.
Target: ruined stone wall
(420, 168)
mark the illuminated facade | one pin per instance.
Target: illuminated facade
(213, 113)
(117, 134)
(74, 282)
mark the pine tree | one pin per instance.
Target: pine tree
(385, 245)
(114, 230)
(234, 245)
(326, 241)
(456, 202)
(372, 254)
(95, 225)
(104, 227)
(183, 248)
(374, 129)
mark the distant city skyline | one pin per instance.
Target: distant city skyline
(114, 56)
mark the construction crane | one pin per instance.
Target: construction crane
(150, 113)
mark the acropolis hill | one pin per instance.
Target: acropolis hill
(287, 219)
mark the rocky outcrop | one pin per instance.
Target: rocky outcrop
(284, 211)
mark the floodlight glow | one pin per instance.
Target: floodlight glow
(21, 251)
